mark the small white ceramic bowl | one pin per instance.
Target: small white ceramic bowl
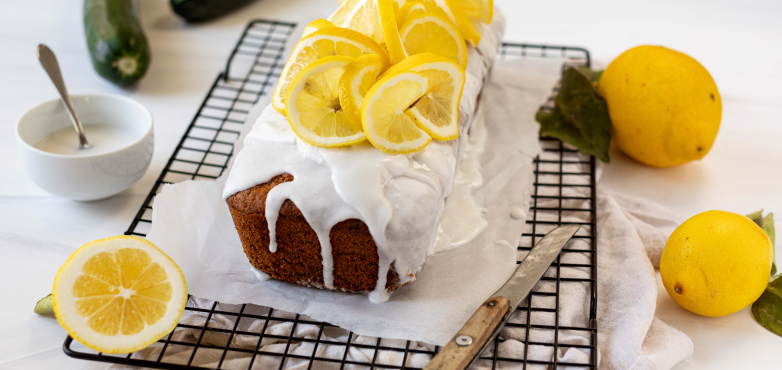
(86, 177)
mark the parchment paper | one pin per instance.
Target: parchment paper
(191, 223)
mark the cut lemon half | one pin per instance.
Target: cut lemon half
(314, 110)
(479, 10)
(457, 17)
(119, 295)
(325, 42)
(358, 78)
(433, 33)
(437, 111)
(384, 113)
(316, 25)
(410, 10)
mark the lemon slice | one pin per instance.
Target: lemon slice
(433, 33)
(315, 25)
(119, 295)
(393, 41)
(314, 110)
(358, 78)
(361, 16)
(455, 14)
(480, 10)
(409, 10)
(437, 111)
(384, 113)
(327, 41)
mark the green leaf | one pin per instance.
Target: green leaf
(580, 116)
(767, 224)
(767, 310)
(593, 76)
(44, 305)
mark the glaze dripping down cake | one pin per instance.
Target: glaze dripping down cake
(352, 219)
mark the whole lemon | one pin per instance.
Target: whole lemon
(716, 263)
(664, 106)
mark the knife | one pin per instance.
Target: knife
(487, 321)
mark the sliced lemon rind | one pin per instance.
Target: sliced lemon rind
(297, 86)
(64, 301)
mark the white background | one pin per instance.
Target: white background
(739, 42)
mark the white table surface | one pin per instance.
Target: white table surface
(739, 42)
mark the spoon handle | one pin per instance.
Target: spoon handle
(52, 68)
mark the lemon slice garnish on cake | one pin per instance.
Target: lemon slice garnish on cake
(393, 41)
(119, 295)
(316, 25)
(437, 111)
(385, 116)
(314, 110)
(479, 10)
(361, 16)
(329, 41)
(433, 33)
(409, 10)
(455, 14)
(358, 78)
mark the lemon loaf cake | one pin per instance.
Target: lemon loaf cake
(352, 218)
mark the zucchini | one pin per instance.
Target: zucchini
(204, 10)
(117, 44)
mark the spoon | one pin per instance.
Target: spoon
(49, 63)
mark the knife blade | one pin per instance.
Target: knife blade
(487, 321)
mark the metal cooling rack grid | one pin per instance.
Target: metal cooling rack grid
(203, 153)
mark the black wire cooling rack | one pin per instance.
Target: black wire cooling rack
(564, 193)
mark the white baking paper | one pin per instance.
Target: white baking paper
(191, 223)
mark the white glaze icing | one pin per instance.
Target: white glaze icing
(400, 198)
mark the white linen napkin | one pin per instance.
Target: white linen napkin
(631, 236)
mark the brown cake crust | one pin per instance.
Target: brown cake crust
(298, 257)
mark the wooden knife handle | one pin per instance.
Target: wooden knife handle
(457, 354)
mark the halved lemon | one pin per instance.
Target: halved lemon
(358, 78)
(119, 295)
(384, 113)
(316, 25)
(437, 111)
(409, 10)
(457, 17)
(480, 10)
(433, 33)
(314, 110)
(325, 42)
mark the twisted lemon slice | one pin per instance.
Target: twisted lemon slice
(119, 295)
(409, 10)
(433, 33)
(384, 113)
(358, 78)
(314, 109)
(316, 25)
(455, 14)
(479, 10)
(329, 41)
(437, 111)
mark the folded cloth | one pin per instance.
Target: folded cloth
(632, 233)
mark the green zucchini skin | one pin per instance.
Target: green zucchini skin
(203, 10)
(118, 47)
